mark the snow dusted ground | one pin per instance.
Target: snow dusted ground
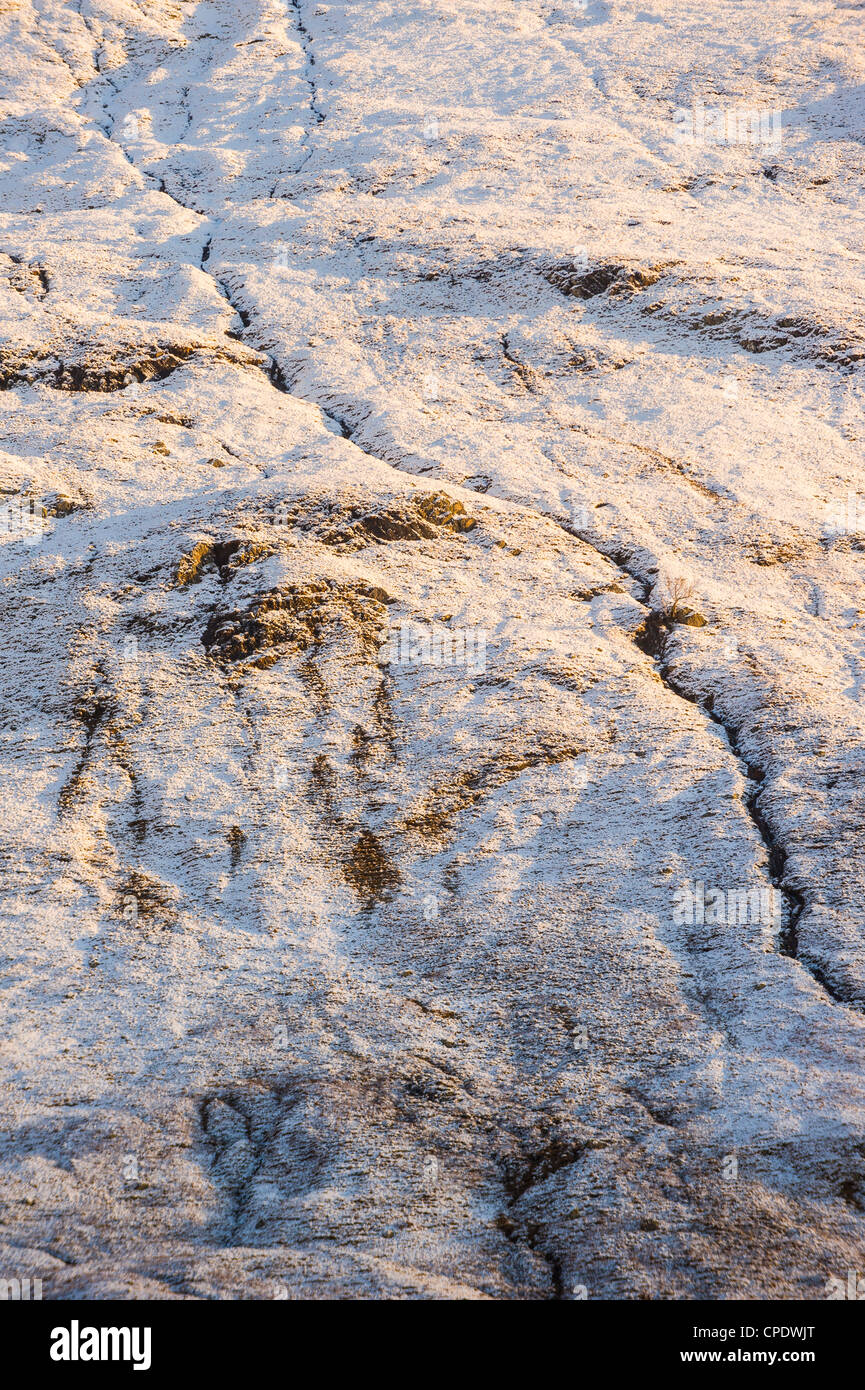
(332, 969)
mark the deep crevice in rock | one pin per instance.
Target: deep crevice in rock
(653, 640)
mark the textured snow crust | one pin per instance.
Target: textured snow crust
(335, 338)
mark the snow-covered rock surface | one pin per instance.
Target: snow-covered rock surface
(432, 583)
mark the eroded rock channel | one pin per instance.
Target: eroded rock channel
(432, 574)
